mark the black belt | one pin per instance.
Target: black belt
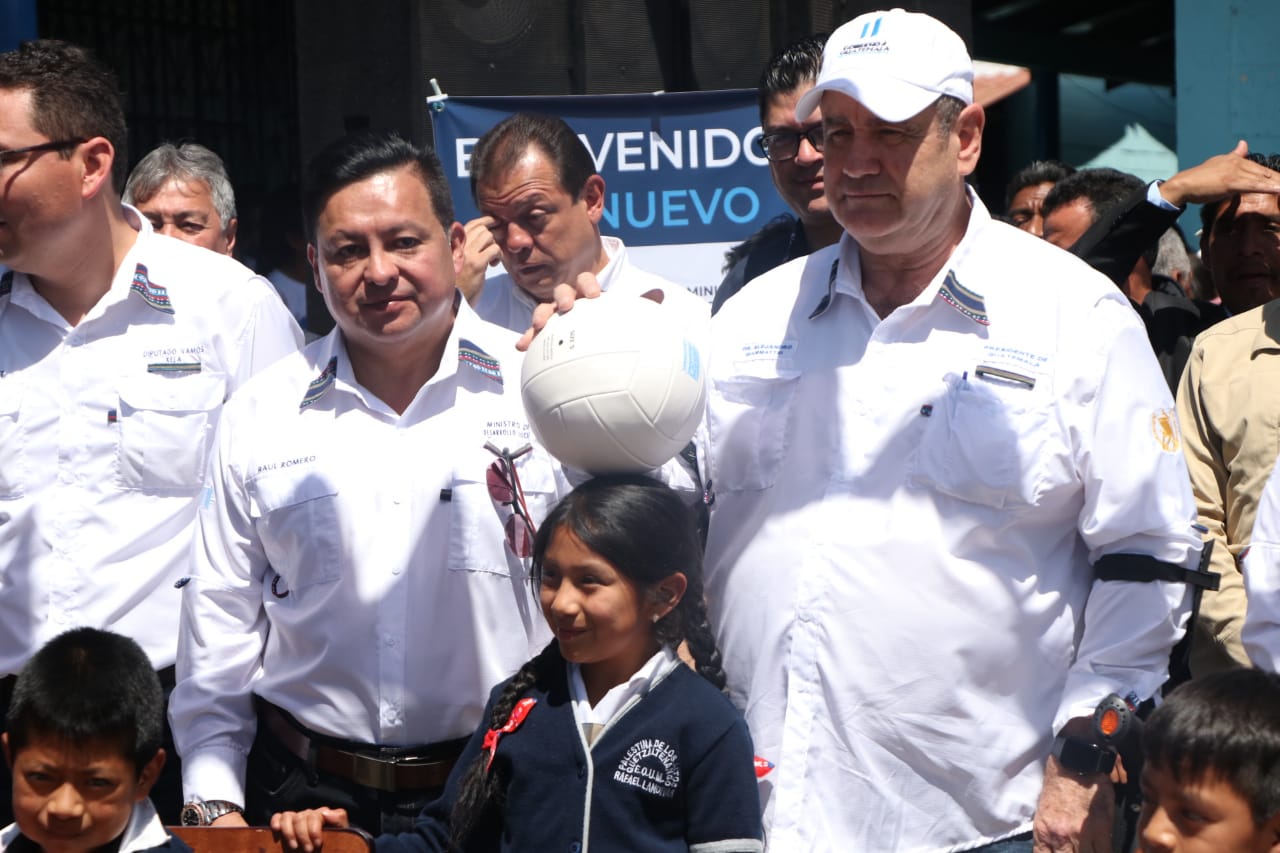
(411, 769)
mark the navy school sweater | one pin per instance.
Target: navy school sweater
(673, 771)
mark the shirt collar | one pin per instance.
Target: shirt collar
(460, 350)
(845, 274)
(618, 697)
(617, 252)
(1267, 339)
(137, 282)
(143, 832)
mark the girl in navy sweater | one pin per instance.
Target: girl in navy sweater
(606, 741)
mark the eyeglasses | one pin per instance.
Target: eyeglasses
(785, 144)
(12, 155)
(504, 487)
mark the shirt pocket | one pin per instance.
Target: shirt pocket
(13, 441)
(983, 444)
(752, 416)
(166, 425)
(299, 528)
(477, 522)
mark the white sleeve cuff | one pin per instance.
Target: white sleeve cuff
(215, 773)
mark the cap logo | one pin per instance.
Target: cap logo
(870, 29)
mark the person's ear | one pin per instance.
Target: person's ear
(96, 158)
(8, 756)
(593, 195)
(313, 258)
(666, 594)
(229, 234)
(458, 247)
(968, 129)
(148, 775)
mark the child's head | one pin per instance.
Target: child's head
(83, 739)
(621, 555)
(1211, 777)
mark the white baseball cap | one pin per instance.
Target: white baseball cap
(894, 63)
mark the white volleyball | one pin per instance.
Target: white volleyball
(614, 385)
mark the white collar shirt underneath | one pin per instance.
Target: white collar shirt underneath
(594, 719)
(144, 831)
(351, 564)
(906, 513)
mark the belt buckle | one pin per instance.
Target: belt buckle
(374, 772)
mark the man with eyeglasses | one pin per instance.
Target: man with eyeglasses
(794, 151)
(117, 352)
(360, 580)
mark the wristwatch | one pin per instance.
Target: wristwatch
(1081, 756)
(204, 812)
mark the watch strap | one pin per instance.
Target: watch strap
(205, 812)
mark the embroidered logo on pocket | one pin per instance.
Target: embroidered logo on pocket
(652, 766)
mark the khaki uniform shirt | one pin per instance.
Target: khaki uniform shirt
(1229, 410)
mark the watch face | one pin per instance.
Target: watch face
(191, 815)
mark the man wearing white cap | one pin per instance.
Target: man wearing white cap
(951, 513)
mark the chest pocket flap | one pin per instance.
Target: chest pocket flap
(297, 511)
(984, 445)
(166, 425)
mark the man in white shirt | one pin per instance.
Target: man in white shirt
(184, 192)
(360, 581)
(941, 454)
(118, 348)
(536, 182)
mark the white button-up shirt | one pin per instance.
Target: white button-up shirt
(906, 514)
(105, 431)
(1261, 631)
(351, 565)
(504, 302)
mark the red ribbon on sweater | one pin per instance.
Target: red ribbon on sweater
(518, 713)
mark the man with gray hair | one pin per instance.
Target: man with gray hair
(185, 192)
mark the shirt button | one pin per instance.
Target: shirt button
(575, 847)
